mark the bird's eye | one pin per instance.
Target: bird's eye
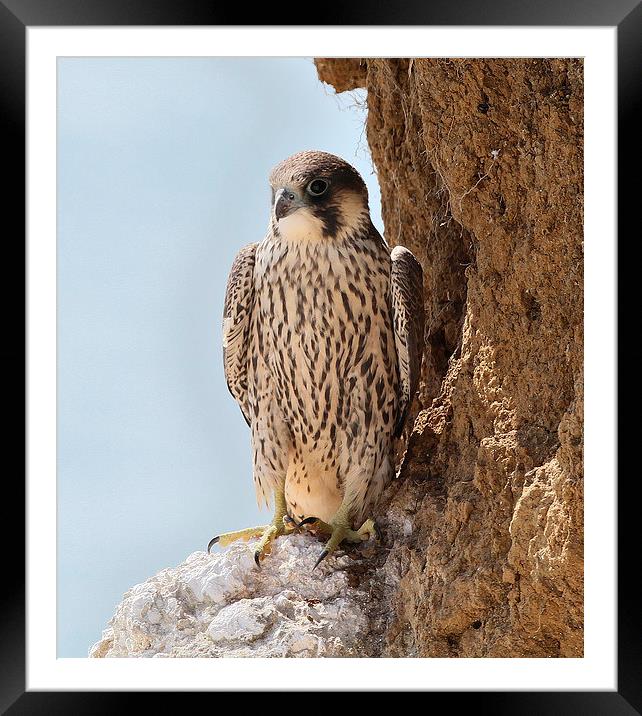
(317, 187)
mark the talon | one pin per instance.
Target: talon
(308, 521)
(257, 558)
(324, 554)
(378, 532)
(287, 520)
(212, 542)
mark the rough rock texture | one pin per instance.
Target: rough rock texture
(222, 605)
(480, 166)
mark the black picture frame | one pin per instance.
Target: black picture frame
(17, 15)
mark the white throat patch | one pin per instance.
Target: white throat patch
(304, 225)
(300, 225)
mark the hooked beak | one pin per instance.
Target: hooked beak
(286, 203)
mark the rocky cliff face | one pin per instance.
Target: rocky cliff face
(480, 166)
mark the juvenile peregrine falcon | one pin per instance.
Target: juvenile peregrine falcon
(322, 347)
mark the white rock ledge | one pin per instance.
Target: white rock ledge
(221, 604)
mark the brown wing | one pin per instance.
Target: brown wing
(237, 314)
(406, 285)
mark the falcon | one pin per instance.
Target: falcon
(322, 347)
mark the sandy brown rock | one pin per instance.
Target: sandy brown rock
(344, 75)
(480, 167)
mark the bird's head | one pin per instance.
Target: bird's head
(317, 195)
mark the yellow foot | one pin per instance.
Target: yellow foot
(267, 534)
(340, 532)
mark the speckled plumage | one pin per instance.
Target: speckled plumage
(322, 335)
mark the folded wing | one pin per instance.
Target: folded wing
(406, 285)
(237, 315)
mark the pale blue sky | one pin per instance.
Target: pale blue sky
(162, 177)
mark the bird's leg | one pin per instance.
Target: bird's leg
(340, 530)
(281, 524)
